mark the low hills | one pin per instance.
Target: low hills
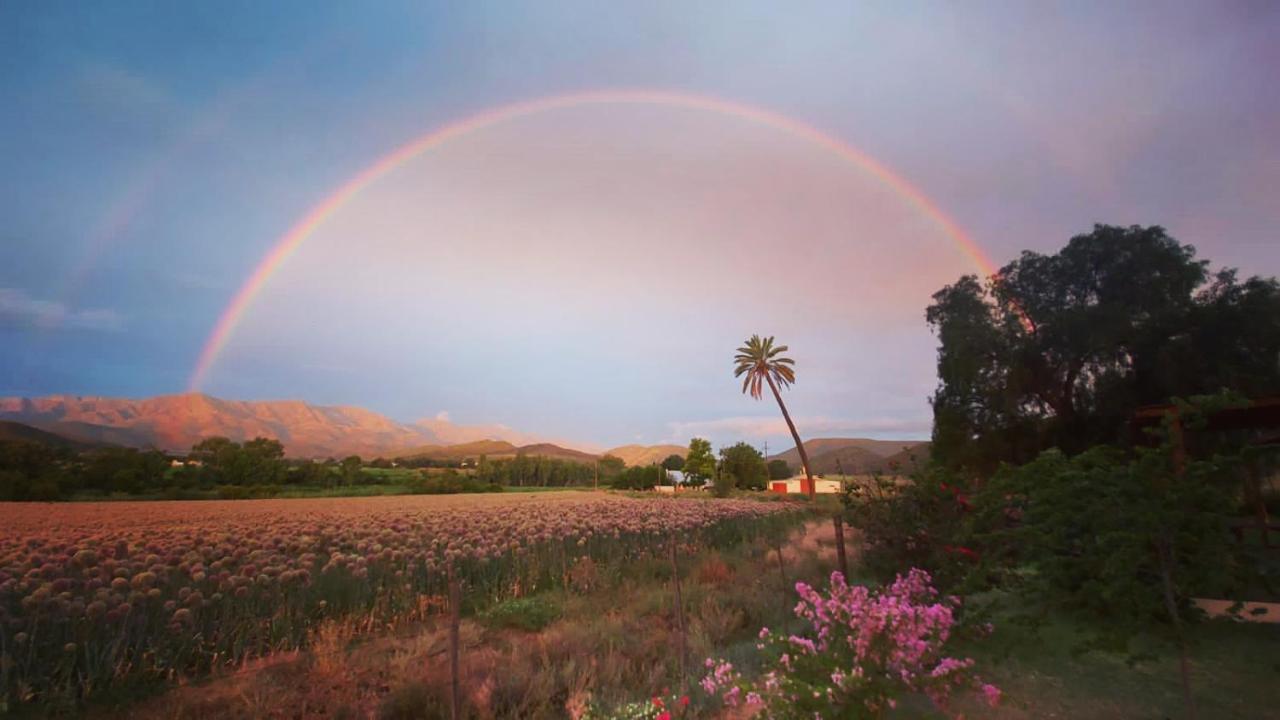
(637, 455)
(17, 432)
(174, 423)
(857, 456)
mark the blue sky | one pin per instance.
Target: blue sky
(586, 274)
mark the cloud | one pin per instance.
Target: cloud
(809, 427)
(18, 309)
(443, 416)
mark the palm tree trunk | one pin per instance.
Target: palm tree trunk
(804, 456)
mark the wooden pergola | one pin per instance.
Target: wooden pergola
(1259, 415)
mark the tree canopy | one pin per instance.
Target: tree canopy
(699, 464)
(745, 465)
(1058, 350)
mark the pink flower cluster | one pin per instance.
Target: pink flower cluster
(862, 648)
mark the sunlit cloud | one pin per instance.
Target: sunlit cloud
(18, 309)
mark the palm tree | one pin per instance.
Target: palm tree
(760, 362)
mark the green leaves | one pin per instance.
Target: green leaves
(758, 361)
(1059, 350)
(1098, 531)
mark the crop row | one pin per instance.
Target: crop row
(93, 595)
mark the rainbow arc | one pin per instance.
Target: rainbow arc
(305, 227)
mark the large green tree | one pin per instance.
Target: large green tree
(759, 362)
(1058, 350)
(699, 464)
(744, 466)
(259, 461)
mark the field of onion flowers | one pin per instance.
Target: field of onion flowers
(95, 594)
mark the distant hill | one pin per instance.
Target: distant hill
(908, 460)
(17, 432)
(495, 450)
(447, 432)
(176, 422)
(638, 455)
(856, 455)
(461, 451)
(548, 450)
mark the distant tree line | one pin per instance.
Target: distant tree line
(223, 468)
(35, 471)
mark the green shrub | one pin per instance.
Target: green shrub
(527, 613)
(919, 524)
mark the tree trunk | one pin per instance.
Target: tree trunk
(1164, 554)
(804, 455)
(838, 521)
(782, 568)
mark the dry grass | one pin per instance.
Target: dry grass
(616, 641)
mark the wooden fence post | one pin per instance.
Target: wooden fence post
(782, 568)
(838, 521)
(455, 627)
(680, 629)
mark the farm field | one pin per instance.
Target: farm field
(96, 597)
(601, 644)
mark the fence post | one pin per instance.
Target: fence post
(680, 629)
(838, 521)
(455, 626)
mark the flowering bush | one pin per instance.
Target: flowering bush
(862, 651)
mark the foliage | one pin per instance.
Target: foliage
(526, 613)
(1121, 539)
(655, 708)
(644, 477)
(861, 651)
(32, 471)
(1058, 350)
(450, 482)
(917, 523)
(537, 471)
(610, 466)
(259, 461)
(673, 462)
(760, 362)
(124, 470)
(311, 473)
(350, 469)
(699, 464)
(741, 465)
(779, 470)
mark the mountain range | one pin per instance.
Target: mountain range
(174, 423)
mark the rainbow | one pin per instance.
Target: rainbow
(293, 239)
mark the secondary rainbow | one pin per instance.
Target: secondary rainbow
(308, 224)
